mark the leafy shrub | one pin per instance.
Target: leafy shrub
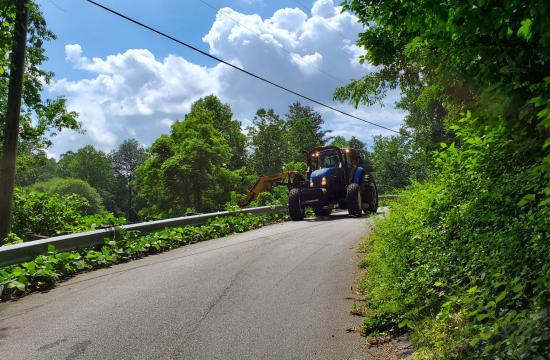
(277, 196)
(45, 214)
(46, 270)
(38, 213)
(70, 186)
(462, 261)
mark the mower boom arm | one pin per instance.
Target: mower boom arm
(262, 183)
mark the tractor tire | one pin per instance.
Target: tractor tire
(372, 199)
(295, 209)
(353, 200)
(370, 196)
(322, 212)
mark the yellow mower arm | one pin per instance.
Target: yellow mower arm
(262, 183)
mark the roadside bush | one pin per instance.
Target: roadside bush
(46, 270)
(38, 213)
(45, 214)
(462, 260)
(70, 186)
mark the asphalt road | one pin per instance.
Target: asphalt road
(280, 292)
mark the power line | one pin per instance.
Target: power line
(114, 12)
(258, 33)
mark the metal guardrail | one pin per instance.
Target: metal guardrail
(18, 253)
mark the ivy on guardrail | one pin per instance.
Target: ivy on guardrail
(46, 270)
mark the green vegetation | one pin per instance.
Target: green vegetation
(46, 270)
(41, 119)
(461, 262)
(125, 160)
(49, 214)
(71, 186)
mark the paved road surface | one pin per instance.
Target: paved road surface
(274, 293)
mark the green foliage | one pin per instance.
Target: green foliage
(45, 270)
(40, 119)
(226, 127)
(33, 165)
(277, 196)
(50, 214)
(45, 214)
(70, 186)
(303, 131)
(125, 160)
(92, 166)
(395, 163)
(463, 259)
(295, 166)
(188, 168)
(268, 142)
(353, 143)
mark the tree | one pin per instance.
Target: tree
(304, 130)
(11, 129)
(186, 167)
(476, 75)
(92, 166)
(268, 141)
(38, 117)
(33, 166)
(125, 160)
(391, 162)
(353, 143)
(227, 128)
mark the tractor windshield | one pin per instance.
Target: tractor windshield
(325, 159)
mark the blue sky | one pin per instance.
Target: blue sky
(127, 82)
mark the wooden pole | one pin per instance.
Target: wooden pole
(13, 111)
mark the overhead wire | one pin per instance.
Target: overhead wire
(158, 32)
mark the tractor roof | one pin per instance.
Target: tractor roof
(331, 147)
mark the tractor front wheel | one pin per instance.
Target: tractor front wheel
(295, 209)
(353, 200)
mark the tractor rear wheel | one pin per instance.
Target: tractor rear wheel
(295, 209)
(372, 198)
(322, 212)
(353, 200)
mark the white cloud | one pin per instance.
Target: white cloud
(324, 8)
(133, 93)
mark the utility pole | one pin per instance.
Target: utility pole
(13, 110)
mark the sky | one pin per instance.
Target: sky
(125, 81)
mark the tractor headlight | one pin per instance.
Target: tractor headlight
(310, 183)
(324, 181)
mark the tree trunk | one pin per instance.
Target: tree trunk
(13, 110)
(130, 212)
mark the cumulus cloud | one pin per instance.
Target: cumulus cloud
(134, 93)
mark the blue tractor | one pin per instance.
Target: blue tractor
(335, 178)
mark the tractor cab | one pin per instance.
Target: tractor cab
(326, 165)
(332, 164)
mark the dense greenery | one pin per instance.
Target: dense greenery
(189, 168)
(71, 186)
(462, 259)
(49, 214)
(125, 161)
(46, 270)
(40, 118)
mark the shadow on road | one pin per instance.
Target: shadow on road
(336, 216)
